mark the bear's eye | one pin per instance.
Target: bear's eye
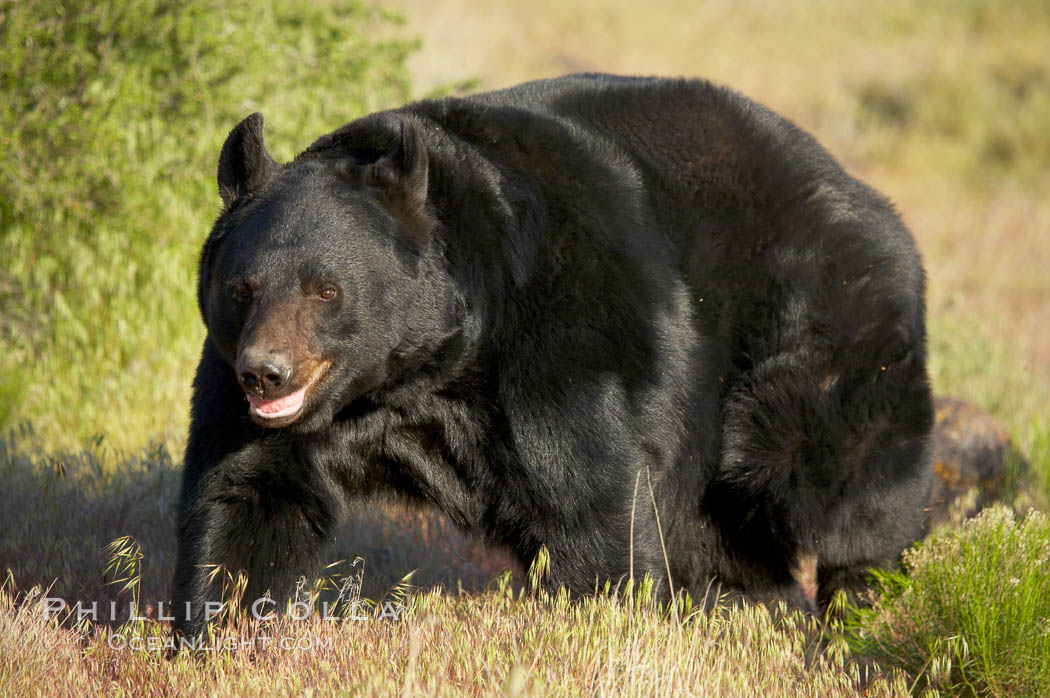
(328, 293)
(242, 293)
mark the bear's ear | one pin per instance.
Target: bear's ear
(244, 164)
(399, 179)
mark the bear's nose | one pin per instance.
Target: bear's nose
(262, 373)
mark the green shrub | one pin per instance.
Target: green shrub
(111, 118)
(971, 614)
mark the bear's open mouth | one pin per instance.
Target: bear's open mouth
(289, 406)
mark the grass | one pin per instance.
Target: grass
(495, 643)
(111, 119)
(971, 612)
(469, 625)
(59, 512)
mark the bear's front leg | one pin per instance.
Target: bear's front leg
(270, 525)
(250, 502)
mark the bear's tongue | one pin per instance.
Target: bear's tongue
(281, 407)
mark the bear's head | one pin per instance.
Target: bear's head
(317, 282)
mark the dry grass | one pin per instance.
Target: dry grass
(496, 643)
(473, 627)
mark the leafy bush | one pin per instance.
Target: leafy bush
(111, 118)
(971, 614)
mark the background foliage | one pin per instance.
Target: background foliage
(112, 115)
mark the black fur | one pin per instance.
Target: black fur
(549, 297)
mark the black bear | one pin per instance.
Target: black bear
(609, 316)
